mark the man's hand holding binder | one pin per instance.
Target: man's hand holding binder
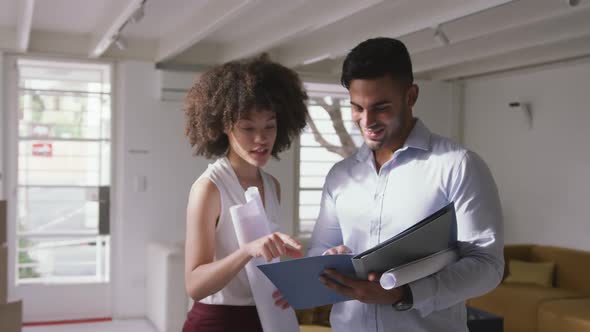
(366, 291)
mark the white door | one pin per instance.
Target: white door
(59, 164)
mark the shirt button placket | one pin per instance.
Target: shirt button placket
(378, 198)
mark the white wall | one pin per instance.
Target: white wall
(149, 141)
(438, 108)
(543, 172)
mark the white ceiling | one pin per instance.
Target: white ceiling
(485, 36)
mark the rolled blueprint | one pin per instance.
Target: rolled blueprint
(418, 269)
(250, 223)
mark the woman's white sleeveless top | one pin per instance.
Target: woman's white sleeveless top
(237, 291)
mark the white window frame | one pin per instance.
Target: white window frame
(313, 90)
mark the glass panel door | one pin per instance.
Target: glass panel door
(63, 175)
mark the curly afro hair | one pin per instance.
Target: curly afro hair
(227, 92)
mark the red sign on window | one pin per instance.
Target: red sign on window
(42, 149)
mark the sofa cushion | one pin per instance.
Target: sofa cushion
(570, 315)
(572, 270)
(531, 273)
(516, 251)
(518, 303)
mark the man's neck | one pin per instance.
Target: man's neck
(385, 153)
(382, 156)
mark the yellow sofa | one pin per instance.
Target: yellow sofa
(565, 315)
(565, 307)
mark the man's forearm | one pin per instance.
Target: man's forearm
(477, 272)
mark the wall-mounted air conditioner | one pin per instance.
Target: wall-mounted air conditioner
(174, 85)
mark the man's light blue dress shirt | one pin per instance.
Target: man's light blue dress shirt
(361, 208)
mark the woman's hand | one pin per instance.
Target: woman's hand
(339, 250)
(274, 245)
(280, 300)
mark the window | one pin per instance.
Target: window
(329, 137)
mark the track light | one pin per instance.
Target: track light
(440, 36)
(119, 42)
(132, 13)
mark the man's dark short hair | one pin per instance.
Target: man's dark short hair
(376, 58)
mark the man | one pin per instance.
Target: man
(402, 174)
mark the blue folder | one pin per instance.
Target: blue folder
(299, 283)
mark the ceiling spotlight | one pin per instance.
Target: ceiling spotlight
(440, 36)
(137, 14)
(119, 42)
(573, 3)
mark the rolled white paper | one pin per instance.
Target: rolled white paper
(418, 269)
(250, 223)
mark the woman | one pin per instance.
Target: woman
(242, 113)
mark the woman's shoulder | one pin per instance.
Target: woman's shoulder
(215, 172)
(210, 180)
(204, 187)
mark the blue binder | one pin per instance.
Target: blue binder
(298, 279)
